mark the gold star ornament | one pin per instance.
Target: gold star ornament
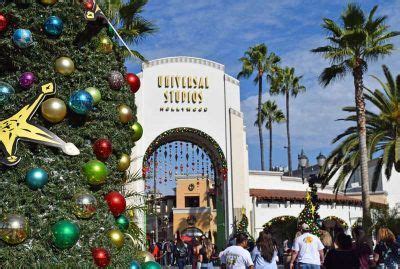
(18, 127)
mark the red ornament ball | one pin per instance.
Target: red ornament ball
(88, 4)
(116, 203)
(133, 81)
(102, 148)
(3, 22)
(101, 257)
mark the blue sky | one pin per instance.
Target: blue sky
(221, 30)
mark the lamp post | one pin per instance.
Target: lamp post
(166, 221)
(303, 161)
(321, 160)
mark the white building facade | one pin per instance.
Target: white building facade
(194, 99)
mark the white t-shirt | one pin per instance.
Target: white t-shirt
(236, 257)
(308, 245)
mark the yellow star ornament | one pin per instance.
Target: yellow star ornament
(18, 127)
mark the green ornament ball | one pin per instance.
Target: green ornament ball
(137, 131)
(151, 265)
(65, 234)
(122, 222)
(95, 93)
(95, 172)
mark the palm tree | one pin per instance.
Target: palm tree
(270, 113)
(354, 42)
(132, 26)
(285, 82)
(382, 132)
(257, 60)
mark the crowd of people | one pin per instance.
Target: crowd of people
(308, 251)
(198, 253)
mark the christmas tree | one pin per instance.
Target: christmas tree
(67, 128)
(308, 214)
(243, 225)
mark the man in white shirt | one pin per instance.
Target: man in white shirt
(237, 257)
(308, 250)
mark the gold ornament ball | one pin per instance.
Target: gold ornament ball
(116, 238)
(137, 131)
(48, 2)
(124, 162)
(105, 44)
(125, 113)
(95, 93)
(145, 256)
(15, 229)
(65, 66)
(54, 110)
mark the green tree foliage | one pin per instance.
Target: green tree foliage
(357, 39)
(270, 114)
(45, 207)
(257, 60)
(285, 82)
(385, 218)
(383, 141)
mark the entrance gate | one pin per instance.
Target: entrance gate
(192, 100)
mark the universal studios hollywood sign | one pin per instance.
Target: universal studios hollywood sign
(183, 93)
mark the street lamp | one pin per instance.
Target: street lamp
(321, 160)
(303, 161)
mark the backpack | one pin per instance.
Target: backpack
(181, 251)
(391, 254)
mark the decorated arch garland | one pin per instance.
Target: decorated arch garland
(278, 220)
(167, 136)
(338, 220)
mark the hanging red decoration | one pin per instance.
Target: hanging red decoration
(102, 148)
(116, 203)
(3, 22)
(88, 4)
(133, 81)
(101, 257)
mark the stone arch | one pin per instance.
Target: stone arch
(217, 156)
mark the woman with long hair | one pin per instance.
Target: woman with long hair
(205, 254)
(387, 250)
(264, 254)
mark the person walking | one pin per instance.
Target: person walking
(343, 257)
(181, 253)
(308, 250)
(387, 250)
(205, 255)
(264, 254)
(362, 249)
(237, 257)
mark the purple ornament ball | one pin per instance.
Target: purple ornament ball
(26, 80)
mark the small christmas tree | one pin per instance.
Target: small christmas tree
(307, 215)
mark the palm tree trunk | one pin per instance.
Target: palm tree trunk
(259, 121)
(289, 149)
(270, 145)
(362, 136)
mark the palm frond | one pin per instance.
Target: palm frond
(332, 73)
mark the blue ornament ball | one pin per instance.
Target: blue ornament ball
(22, 38)
(53, 26)
(6, 91)
(81, 102)
(134, 265)
(36, 178)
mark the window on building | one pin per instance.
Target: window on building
(192, 201)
